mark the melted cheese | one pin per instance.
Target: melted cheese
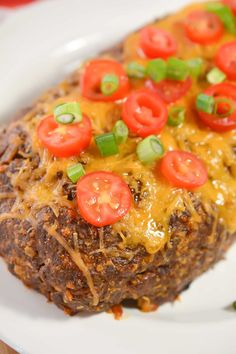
(77, 259)
(147, 223)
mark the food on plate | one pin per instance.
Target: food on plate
(120, 183)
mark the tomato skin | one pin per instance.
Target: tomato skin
(93, 74)
(170, 90)
(70, 141)
(217, 124)
(103, 198)
(183, 170)
(157, 43)
(203, 27)
(144, 112)
(14, 3)
(226, 58)
(231, 4)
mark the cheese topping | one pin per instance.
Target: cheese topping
(147, 223)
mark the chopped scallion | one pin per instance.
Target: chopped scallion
(120, 132)
(195, 67)
(176, 116)
(109, 84)
(216, 76)
(106, 144)
(177, 69)
(75, 172)
(65, 118)
(205, 103)
(225, 14)
(156, 69)
(150, 149)
(67, 113)
(223, 107)
(136, 70)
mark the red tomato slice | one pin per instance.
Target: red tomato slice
(183, 170)
(226, 59)
(231, 4)
(65, 140)
(170, 90)
(144, 112)
(14, 3)
(103, 198)
(92, 76)
(203, 27)
(157, 43)
(225, 90)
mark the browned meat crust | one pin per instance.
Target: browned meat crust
(43, 264)
(118, 273)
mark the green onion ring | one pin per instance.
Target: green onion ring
(67, 113)
(75, 172)
(109, 84)
(150, 149)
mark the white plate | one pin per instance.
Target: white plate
(38, 47)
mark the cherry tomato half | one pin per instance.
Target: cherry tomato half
(226, 59)
(103, 198)
(157, 43)
(144, 112)
(92, 76)
(14, 3)
(170, 90)
(203, 27)
(65, 140)
(224, 90)
(183, 170)
(231, 4)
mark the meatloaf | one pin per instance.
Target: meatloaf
(169, 236)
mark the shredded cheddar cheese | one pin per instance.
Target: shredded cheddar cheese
(147, 223)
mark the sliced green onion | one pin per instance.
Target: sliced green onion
(67, 113)
(177, 69)
(150, 149)
(228, 104)
(75, 172)
(136, 70)
(234, 305)
(109, 84)
(225, 14)
(65, 118)
(176, 116)
(106, 144)
(195, 67)
(120, 132)
(156, 69)
(205, 103)
(216, 76)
